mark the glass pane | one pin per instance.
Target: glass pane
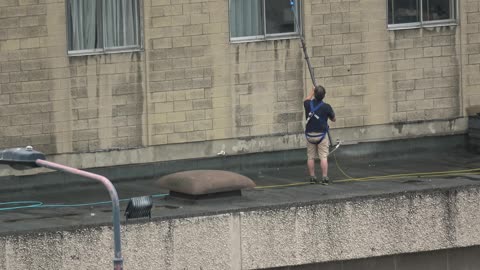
(246, 18)
(121, 23)
(437, 10)
(83, 18)
(403, 11)
(279, 17)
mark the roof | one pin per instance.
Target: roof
(278, 185)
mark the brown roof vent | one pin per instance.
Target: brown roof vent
(201, 184)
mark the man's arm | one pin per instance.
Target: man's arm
(310, 95)
(331, 115)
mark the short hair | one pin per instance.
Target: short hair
(319, 93)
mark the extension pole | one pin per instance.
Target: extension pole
(304, 44)
(305, 53)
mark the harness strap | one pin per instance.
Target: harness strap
(321, 136)
(312, 113)
(313, 110)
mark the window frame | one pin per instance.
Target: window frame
(107, 50)
(265, 36)
(421, 23)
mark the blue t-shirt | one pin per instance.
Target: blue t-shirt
(325, 112)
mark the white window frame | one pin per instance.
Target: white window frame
(287, 35)
(108, 50)
(421, 23)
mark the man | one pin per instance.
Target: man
(317, 114)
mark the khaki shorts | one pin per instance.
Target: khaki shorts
(318, 150)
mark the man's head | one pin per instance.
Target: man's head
(319, 93)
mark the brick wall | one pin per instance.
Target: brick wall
(63, 104)
(471, 55)
(191, 84)
(201, 87)
(375, 76)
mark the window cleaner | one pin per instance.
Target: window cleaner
(333, 147)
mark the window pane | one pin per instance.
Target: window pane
(246, 18)
(403, 11)
(437, 10)
(83, 18)
(279, 17)
(121, 23)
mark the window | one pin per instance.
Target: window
(100, 26)
(262, 19)
(415, 13)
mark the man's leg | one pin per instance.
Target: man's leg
(324, 166)
(311, 167)
(323, 155)
(311, 154)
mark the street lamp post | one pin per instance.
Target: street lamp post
(24, 158)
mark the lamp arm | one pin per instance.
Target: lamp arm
(117, 260)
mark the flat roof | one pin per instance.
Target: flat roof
(354, 176)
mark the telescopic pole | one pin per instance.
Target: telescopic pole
(305, 53)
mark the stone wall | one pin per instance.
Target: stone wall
(470, 39)
(191, 85)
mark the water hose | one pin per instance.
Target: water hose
(37, 204)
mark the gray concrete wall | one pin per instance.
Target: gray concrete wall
(294, 234)
(445, 259)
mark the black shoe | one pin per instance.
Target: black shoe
(325, 180)
(313, 180)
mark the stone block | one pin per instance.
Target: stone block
(9, 22)
(175, 117)
(405, 64)
(321, 30)
(6, 67)
(445, 61)
(443, 40)
(414, 53)
(193, 30)
(183, 126)
(333, 39)
(203, 124)
(200, 40)
(350, 38)
(161, 21)
(162, 43)
(403, 106)
(182, 105)
(20, 98)
(451, 102)
(416, 115)
(424, 104)
(415, 95)
(321, 8)
(200, 18)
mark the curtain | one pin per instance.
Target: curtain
(83, 18)
(279, 16)
(246, 18)
(121, 23)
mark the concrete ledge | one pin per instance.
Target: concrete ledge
(252, 145)
(379, 149)
(263, 237)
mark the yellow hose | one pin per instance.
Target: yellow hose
(382, 177)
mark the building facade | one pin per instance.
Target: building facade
(102, 83)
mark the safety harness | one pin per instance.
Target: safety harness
(314, 139)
